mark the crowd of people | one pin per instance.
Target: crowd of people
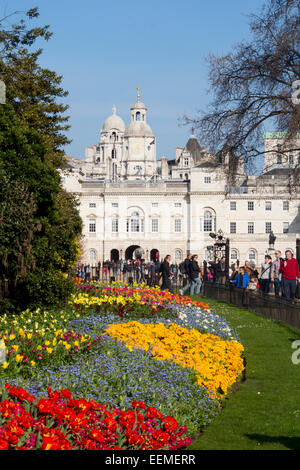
(282, 273)
(138, 270)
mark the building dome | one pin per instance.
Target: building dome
(138, 129)
(138, 126)
(138, 105)
(114, 122)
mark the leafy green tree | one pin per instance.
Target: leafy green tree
(40, 223)
(33, 90)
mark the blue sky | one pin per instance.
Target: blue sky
(105, 49)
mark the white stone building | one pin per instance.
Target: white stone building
(129, 199)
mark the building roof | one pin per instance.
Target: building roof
(195, 149)
(114, 122)
(138, 105)
(138, 129)
(278, 172)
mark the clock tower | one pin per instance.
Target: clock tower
(139, 151)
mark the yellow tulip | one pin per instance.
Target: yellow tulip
(19, 358)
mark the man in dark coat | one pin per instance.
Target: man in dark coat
(186, 272)
(195, 276)
(221, 272)
(166, 274)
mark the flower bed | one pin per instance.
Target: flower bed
(60, 422)
(136, 301)
(217, 362)
(127, 344)
(35, 347)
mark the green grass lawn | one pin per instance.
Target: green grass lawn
(265, 411)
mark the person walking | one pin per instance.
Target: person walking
(88, 273)
(195, 276)
(276, 275)
(290, 274)
(265, 275)
(166, 274)
(185, 270)
(137, 268)
(82, 273)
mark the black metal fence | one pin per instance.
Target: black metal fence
(150, 277)
(267, 305)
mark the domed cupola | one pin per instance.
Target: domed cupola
(139, 156)
(138, 126)
(113, 122)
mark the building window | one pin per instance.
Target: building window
(268, 206)
(155, 225)
(250, 227)
(252, 256)
(186, 162)
(279, 159)
(232, 227)
(136, 223)
(92, 205)
(291, 159)
(250, 206)
(177, 225)
(154, 204)
(285, 227)
(268, 227)
(178, 255)
(115, 225)
(114, 204)
(177, 204)
(233, 205)
(233, 255)
(207, 179)
(113, 154)
(92, 225)
(285, 205)
(208, 221)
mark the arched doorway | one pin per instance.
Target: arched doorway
(130, 251)
(154, 255)
(114, 255)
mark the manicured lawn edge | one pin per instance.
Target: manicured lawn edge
(264, 413)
